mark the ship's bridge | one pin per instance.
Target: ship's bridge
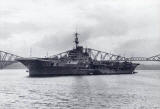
(78, 54)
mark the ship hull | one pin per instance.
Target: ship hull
(39, 68)
(63, 72)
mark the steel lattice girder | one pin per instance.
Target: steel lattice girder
(7, 59)
(100, 55)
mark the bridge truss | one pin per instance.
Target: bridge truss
(104, 56)
(7, 59)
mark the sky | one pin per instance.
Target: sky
(124, 27)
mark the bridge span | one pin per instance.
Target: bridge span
(9, 58)
(152, 58)
(103, 56)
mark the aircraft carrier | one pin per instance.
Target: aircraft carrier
(78, 61)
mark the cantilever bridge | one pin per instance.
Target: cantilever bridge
(100, 55)
(8, 58)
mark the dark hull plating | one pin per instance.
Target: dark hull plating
(62, 72)
(37, 68)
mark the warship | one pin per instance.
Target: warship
(78, 61)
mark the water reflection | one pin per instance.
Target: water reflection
(139, 91)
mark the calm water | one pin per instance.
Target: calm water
(138, 91)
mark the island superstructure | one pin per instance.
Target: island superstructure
(77, 61)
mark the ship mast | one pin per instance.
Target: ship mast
(76, 39)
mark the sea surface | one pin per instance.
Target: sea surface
(136, 91)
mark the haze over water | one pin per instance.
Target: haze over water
(137, 91)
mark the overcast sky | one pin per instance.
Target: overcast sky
(125, 27)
